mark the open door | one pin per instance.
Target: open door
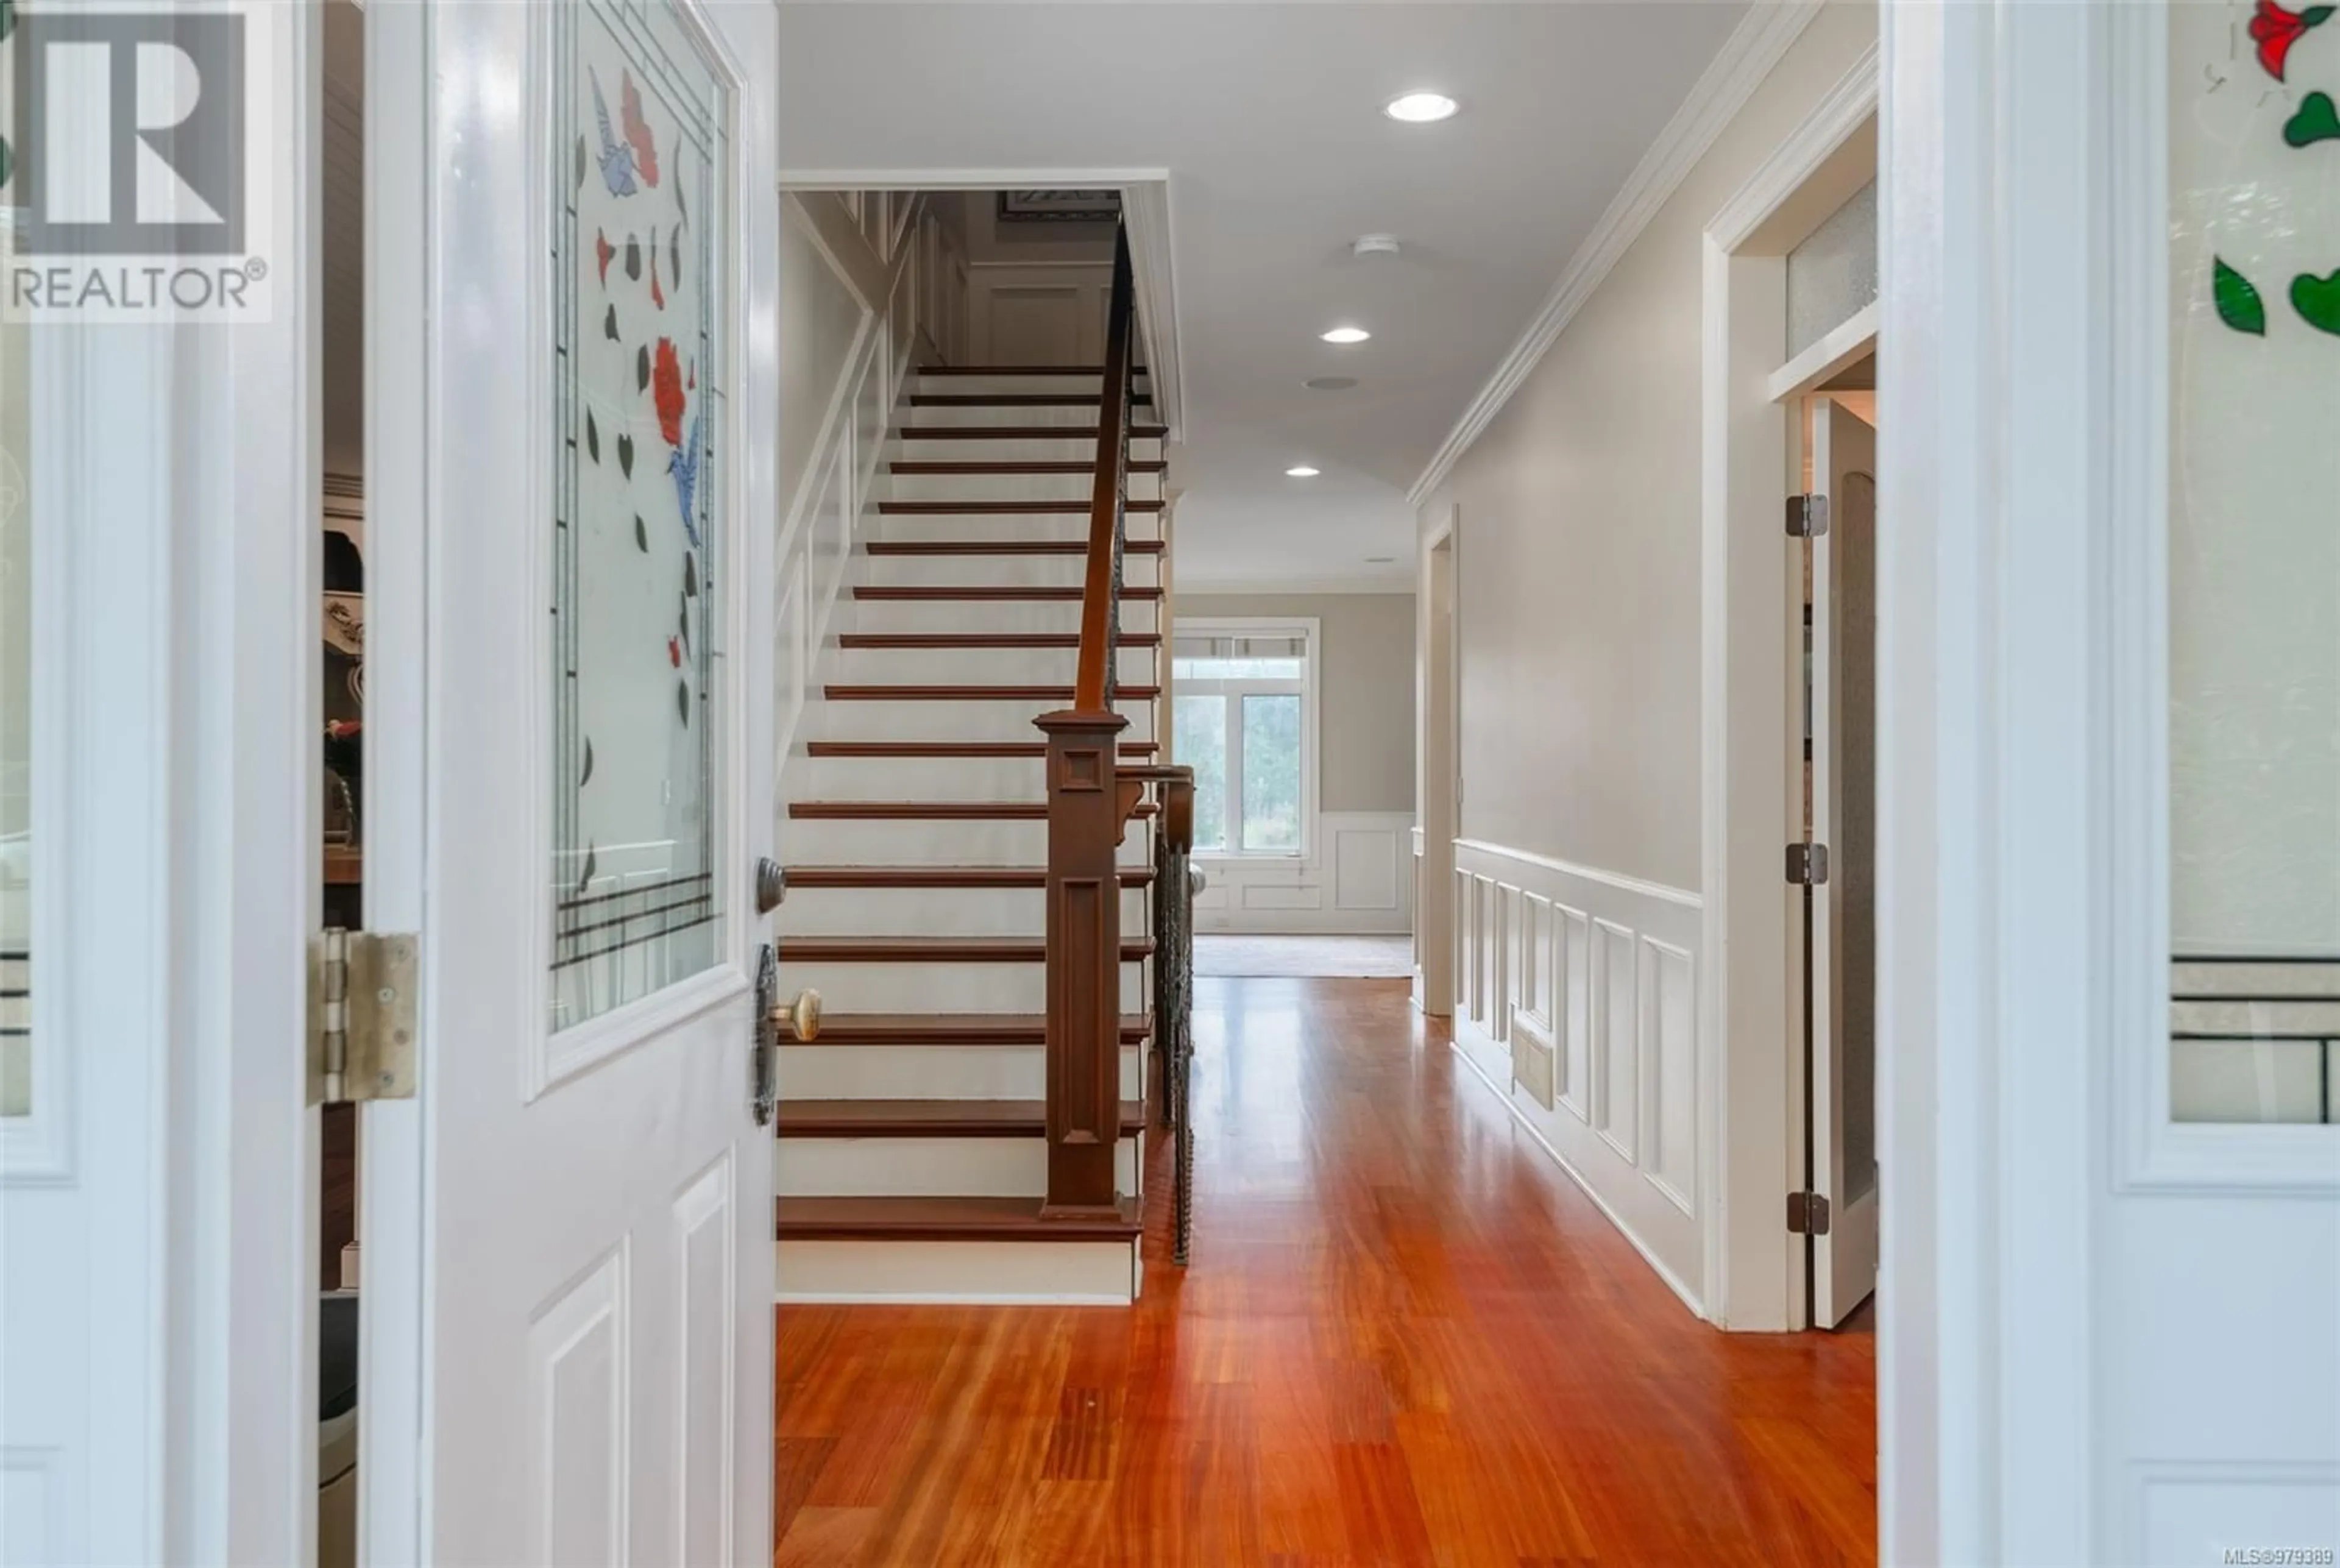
(572, 255)
(1842, 1004)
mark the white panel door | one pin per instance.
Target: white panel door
(1844, 923)
(569, 1236)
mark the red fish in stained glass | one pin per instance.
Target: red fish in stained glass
(637, 130)
(604, 250)
(666, 387)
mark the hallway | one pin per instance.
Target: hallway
(1406, 1338)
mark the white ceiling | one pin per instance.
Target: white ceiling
(1268, 117)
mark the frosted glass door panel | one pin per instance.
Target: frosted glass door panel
(637, 593)
(2254, 564)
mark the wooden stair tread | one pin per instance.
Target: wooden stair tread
(1024, 432)
(978, 639)
(1069, 465)
(932, 810)
(1002, 508)
(988, 750)
(912, 693)
(985, 592)
(983, 876)
(1097, 370)
(928, 1118)
(1001, 547)
(1019, 400)
(955, 1218)
(950, 1029)
(936, 950)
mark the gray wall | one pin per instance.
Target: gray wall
(1578, 550)
(1365, 712)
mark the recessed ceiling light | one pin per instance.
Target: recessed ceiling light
(1346, 335)
(1329, 384)
(1302, 470)
(1420, 108)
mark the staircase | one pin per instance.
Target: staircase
(913, 1157)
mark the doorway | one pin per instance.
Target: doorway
(1835, 831)
(1440, 788)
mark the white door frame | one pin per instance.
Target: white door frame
(1439, 771)
(1750, 780)
(165, 1186)
(2022, 462)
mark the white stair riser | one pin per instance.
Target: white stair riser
(915, 841)
(991, 614)
(1073, 446)
(1001, 570)
(817, 1072)
(934, 912)
(1080, 416)
(916, 778)
(1077, 380)
(925, 1168)
(959, 488)
(996, 1273)
(895, 718)
(978, 666)
(915, 987)
(956, 527)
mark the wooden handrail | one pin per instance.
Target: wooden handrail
(1100, 597)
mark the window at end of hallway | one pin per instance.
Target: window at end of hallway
(1243, 714)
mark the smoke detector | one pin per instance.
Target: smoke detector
(1376, 245)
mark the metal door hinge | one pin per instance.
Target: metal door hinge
(1807, 516)
(361, 1015)
(1808, 1214)
(1807, 864)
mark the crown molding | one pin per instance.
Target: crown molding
(1739, 67)
(1146, 216)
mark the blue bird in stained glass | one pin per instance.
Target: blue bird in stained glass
(616, 157)
(684, 466)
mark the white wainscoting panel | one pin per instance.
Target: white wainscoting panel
(1038, 312)
(845, 477)
(1359, 880)
(1576, 1001)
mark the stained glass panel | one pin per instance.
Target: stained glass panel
(637, 603)
(2254, 563)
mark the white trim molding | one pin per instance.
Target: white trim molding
(1762, 39)
(1749, 672)
(1576, 999)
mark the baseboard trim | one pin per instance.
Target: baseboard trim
(942, 1298)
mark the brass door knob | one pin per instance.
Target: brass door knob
(801, 1017)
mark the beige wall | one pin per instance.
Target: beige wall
(818, 319)
(1578, 602)
(1365, 712)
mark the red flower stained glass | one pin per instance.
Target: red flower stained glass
(2276, 30)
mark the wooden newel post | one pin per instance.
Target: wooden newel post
(1085, 813)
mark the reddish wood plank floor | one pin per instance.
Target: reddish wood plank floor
(1405, 1339)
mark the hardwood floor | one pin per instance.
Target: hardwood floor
(1405, 1339)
